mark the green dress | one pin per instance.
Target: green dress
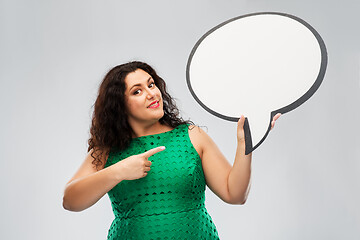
(168, 203)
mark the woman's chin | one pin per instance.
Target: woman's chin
(160, 116)
(156, 116)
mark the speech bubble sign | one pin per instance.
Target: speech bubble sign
(258, 65)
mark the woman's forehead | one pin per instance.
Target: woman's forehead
(139, 76)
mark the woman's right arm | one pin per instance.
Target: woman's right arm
(88, 185)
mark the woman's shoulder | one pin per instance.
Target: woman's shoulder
(197, 135)
(195, 129)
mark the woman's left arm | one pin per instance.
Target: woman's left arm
(231, 184)
(240, 173)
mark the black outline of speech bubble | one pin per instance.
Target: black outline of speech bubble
(324, 59)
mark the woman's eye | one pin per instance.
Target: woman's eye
(151, 85)
(136, 92)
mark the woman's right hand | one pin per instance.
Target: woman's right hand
(137, 166)
(88, 185)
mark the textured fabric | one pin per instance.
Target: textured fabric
(169, 203)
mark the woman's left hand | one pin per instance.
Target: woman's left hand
(274, 119)
(240, 127)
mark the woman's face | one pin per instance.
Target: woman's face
(143, 99)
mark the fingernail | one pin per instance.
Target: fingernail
(162, 147)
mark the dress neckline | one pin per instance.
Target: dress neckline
(157, 134)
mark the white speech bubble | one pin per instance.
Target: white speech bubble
(257, 65)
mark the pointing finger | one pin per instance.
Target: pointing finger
(151, 152)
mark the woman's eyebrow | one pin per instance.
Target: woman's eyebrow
(139, 84)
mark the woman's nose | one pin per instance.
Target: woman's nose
(150, 94)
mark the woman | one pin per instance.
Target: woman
(153, 164)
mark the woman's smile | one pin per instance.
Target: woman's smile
(154, 104)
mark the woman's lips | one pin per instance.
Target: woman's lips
(154, 104)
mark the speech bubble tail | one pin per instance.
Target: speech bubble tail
(248, 141)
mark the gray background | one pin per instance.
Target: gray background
(53, 55)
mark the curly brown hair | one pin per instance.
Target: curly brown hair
(110, 128)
